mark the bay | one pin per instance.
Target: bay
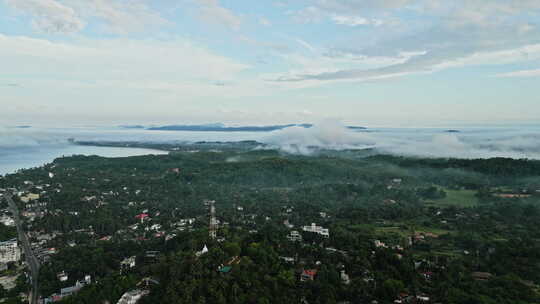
(23, 158)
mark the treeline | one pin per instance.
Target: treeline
(498, 166)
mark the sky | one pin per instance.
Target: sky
(365, 62)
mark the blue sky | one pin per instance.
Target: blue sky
(372, 62)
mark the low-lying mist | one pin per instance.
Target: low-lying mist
(424, 142)
(514, 142)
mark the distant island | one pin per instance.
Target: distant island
(219, 127)
(356, 128)
(132, 127)
(452, 131)
(222, 128)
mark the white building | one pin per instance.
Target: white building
(29, 197)
(317, 229)
(345, 278)
(128, 263)
(68, 291)
(380, 244)
(62, 276)
(9, 251)
(154, 227)
(132, 297)
(203, 251)
(7, 220)
(294, 236)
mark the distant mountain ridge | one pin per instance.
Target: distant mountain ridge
(222, 128)
(219, 127)
(132, 127)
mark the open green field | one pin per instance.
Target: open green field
(460, 198)
(407, 232)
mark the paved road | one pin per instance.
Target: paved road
(31, 259)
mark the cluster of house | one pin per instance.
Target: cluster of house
(39, 243)
(184, 224)
(33, 208)
(145, 222)
(404, 297)
(296, 236)
(317, 229)
(67, 291)
(310, 274)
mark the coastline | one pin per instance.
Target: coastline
(15, 160)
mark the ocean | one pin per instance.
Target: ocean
(24, 158)
(22, 148)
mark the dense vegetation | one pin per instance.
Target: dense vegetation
(439, 220)
(7, 233)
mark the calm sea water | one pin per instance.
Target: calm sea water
(33, 147)
(14, 159)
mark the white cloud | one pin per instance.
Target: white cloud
(463, 33)
(116, 64)
(211, 11)
(524, 73)
(50, 15)
(264, 21)
(355, 20)
(350, 12)
(310, 68)
(332, 134)
(489, 13)
(326, 134)
(348, 6)
(306, 45)
(423, 62)
(310, 14)
(120, 16)
(69, 16)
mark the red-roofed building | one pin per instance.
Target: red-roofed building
(308, 275)
(142, 216)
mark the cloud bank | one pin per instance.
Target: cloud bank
(471, 143)
(328, 134)
(514, 142)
